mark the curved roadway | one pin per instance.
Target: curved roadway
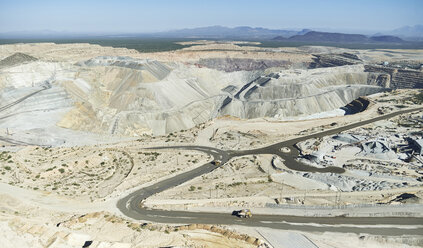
(132, 206)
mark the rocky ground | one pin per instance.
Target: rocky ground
(23, 225)
(77, 119)
(91, 172)
(74, 89)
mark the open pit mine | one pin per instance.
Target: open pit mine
(130, 96)
(111, 147)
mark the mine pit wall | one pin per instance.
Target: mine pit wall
(379, 79)
(332, 60)
(396, 78)
(308, 105)
(241, 64)
(321, 91)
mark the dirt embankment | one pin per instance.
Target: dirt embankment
(358, 105)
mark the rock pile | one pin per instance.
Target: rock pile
(358, 105)
(16, 59)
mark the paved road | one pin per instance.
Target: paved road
(131, 205)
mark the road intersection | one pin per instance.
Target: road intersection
(132, 206)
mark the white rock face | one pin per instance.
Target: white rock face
(301, 93)
(156, 68)
(126, 96)
(136, 97)
(10, 239)
(33, 74)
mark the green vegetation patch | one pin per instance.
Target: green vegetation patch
(143, 45)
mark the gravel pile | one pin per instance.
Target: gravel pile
(16, 59)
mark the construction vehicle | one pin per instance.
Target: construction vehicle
(216, 162)
(243, 213)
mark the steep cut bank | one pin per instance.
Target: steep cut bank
(132, 97)
(300, 92)
(238, 64)
(125, 96)
(397, 77)
(334, 59)
(155, 68)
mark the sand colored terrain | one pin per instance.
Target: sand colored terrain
(92, 173)
(118, 91)
(255, 181)
(25, 225)
(133, 96)
(77, 121)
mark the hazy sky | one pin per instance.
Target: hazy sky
(159, 15)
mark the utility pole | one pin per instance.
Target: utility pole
(337, 198)
(305, 195)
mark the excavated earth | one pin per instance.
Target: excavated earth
(133, 96)
(89, 101)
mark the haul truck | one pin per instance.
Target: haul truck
(243, 213)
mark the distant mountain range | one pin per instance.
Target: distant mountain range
(220, 32)
(399, 35)
(314, 36)
(407, 32)
(305, 35)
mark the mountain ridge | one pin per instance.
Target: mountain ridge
(411, 33)
(227, 32)
(239, 32)
(315, 36)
